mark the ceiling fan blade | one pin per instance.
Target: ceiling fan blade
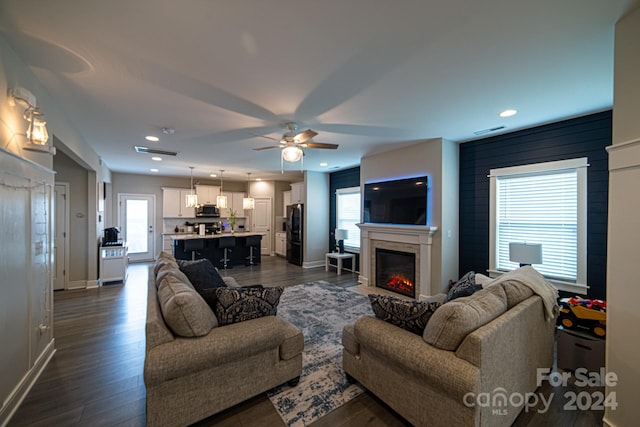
(267, 137)
(266, 148)
(319, 145)
(305, 136)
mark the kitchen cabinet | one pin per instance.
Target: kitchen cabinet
(234, 202)
(297, 192)
(286, 201)
(207, 194)
(281, 243)
(174, 203)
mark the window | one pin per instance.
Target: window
(541, 203)
(348, 214)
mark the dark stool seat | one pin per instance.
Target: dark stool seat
(251, 243)
(226, 243)
(193, 245)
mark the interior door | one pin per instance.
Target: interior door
(60, 236)
(136, 219)
(262, 222)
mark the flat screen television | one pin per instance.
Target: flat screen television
(401, 201)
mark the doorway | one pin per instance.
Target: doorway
(61, 236)
(136, 216)
(262, 222)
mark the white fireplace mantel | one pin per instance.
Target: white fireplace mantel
(419, 237)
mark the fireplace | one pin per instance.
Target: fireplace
(396, 271)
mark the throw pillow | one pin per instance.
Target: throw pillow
(464, 287)
(235, 305)
(211, 297)
(410, 315)
(202, 274)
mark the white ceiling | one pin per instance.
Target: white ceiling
(365, 74)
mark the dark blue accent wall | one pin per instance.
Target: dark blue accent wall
(341, 179)
(585, 136)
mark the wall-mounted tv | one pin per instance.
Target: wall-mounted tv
(401, 201)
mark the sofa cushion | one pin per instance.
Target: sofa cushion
(410, 315)
(516, 292)
(465, 286)
(164, 261)
(483, 280)
(454, 320)
(239, 304)
(183, 309)
(166, 270)
(202, 274)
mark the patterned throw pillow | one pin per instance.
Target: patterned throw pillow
(410, 315)
(211, 297)
(464, 287)
(202, 274)
(239, 304)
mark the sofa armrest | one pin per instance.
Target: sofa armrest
(184, 356)
(441, 369)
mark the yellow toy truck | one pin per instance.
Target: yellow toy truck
(580, 313)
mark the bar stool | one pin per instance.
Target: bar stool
(251, 242)
(226, 243)
(193, 245)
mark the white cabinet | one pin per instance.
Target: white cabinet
(281, 243)
(166, 243)
(286, 201)
(207, 194)
(113, 264)
(297, 192)
(174, 203)
(234, 202)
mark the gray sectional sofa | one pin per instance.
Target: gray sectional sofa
(189, 378)
(491, 342)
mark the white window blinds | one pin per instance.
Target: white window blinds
(348, 214)
(544, 204)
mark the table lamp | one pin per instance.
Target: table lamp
(525, 253)
(341, 234)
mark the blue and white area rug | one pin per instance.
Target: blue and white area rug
(320, 310)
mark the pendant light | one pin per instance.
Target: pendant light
(192, 199)
(248, 202)
(221, 201)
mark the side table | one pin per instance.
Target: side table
(339, 257)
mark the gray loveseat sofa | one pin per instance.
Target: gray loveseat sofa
(491, 342)
(190, 378)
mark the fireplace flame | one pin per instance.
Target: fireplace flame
(400, 283)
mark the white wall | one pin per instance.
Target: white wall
(316, 219)
(438, 159)
(623, 291)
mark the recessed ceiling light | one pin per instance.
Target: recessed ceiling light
(154, 170)
(508, 113)
(324, 164)
(213, 175)
(152, 138)
(258, 179)
(157, 159)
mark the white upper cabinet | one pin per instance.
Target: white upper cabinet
(297, 192)
(174, 203)
(234, 202)
(286, 201)
(207, 194)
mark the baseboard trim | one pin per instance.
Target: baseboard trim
(77, 284)
(313, 264)
(21, 390)
(91, 284)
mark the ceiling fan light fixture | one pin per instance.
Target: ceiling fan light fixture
(292, 153)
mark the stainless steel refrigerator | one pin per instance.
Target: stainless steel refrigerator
(294, 233)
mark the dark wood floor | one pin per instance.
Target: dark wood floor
(95, 377)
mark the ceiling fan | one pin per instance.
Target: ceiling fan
(292, 143)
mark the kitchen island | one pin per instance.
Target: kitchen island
(211, 246)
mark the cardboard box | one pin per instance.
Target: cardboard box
(579, 350)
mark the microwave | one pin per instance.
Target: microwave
(211, 211)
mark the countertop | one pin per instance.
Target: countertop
(188, 236)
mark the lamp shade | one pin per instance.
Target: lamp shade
(341, 234)
(525, 253)
(221, 202)
(248, 203)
